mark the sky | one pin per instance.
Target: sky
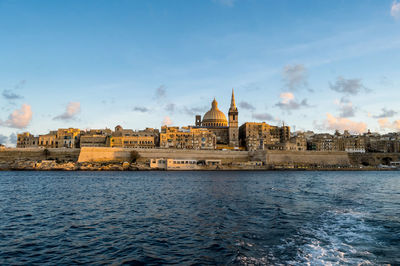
(312, 65)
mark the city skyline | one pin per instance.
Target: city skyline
(96, 64)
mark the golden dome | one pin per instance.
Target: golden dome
(215, 117)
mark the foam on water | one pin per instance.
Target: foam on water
(340, 237)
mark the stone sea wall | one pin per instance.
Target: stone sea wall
(306, 158)
(89, 154)
(39, 154)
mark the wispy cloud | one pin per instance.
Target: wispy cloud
(295, 77)
(346, 107)
(11, 94)
(289, 103)
(141, 109)
(160, 93)
(19, 118)
(170, 107)
(263, 117)
(72, 109)
(395, 10)
(195, 110)
(385, 113)
(348, 86)
(246, 106)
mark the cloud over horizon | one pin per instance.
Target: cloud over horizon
(72, 109)
(341, 124)
(386, 113)
(384, 124)
(19, 118)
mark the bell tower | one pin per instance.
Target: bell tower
(233, 123)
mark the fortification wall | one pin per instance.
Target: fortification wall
(373, 159)
(89, 154)
(38, 154)
(272, 157)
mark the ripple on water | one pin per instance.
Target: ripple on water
(245, 218)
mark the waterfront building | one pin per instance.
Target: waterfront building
(48, 140)
(127, 138)
(187, 138)
(262, 136)
(95, 138)
(68, 138)
(27, 140)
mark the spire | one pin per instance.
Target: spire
(233, 105)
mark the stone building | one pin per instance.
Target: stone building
(27, 140)
(262, 136)
(187, 138)
(48, 140)
(337, 142)
(95, 138)
(226, 132)
(68, 138)
(127, 138)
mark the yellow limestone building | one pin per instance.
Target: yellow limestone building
(226, 131)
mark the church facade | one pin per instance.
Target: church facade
(226, 131)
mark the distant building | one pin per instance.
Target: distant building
(68, 138)
(187, 138)
(27, 140)
(95, 138)
(127, 138)
(262, 136)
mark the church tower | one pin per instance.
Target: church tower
(233, 123)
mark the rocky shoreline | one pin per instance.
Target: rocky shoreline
(23, 165)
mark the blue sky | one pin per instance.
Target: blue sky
(314, 65)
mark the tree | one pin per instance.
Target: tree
(134, 156)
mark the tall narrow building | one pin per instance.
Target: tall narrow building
(233, 123)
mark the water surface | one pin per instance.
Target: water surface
(199, 217)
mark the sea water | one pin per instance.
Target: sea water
(200, 217)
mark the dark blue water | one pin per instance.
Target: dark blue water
(199, 217)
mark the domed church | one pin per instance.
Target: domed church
(227, 132)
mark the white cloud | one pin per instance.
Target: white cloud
(167, 121)
(73, 108)
(20, 118)
(395, 10)
(340, 123)
(384, 123)
(289, 103)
